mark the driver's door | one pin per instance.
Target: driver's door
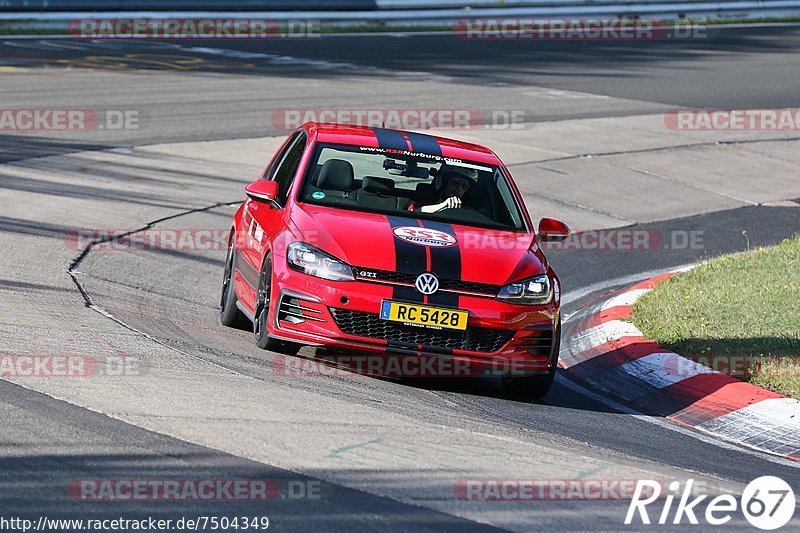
(263, 222)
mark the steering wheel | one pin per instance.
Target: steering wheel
(465, 214)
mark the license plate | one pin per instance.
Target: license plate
(424, 315)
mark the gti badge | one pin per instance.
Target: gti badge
(427, 283)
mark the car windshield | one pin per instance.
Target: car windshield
(411, 184)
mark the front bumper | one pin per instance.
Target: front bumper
(501, 338)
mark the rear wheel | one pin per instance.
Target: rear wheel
(229, 314)
(532, 388)
(263, 301)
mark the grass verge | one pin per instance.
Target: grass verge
(738, 314)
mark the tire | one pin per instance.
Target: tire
(532, 388)
(263, 301)
(229, 314)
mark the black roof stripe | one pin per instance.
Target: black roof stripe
(426, 144)
(390, 139)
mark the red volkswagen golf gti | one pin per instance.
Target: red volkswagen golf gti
(386, 242)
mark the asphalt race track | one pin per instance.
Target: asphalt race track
(205, 403)
(197, 90)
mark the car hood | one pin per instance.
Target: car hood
(409, 245)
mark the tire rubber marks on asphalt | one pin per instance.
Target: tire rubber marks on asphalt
(591, 338)
(769, 425)
(664, 369)
(148, 56)
(258, 58)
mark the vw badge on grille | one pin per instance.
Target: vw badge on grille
(427, 283)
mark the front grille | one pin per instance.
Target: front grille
(457, 285)
(370, 325)
(448, 285)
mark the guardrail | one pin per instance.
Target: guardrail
(666, 9)
(393, 12)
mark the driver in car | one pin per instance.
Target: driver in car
(451, 185)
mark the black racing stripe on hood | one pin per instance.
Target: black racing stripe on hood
(390, 139)
(410, 259)
(445, 263)
(423, 143)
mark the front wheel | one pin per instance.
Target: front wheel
(229, 314)
(532, 388)
(263, 300)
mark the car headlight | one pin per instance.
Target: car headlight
(532, 291)
(314, 262)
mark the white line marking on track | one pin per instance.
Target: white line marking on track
(627, 298)
(623, 280)
(306, 62)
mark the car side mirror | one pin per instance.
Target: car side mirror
(552, 230)
(263, 191)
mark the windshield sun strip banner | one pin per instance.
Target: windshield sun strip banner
(392, 152)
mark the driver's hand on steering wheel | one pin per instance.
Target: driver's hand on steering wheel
(454, 202)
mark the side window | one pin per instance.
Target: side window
(287, 168)
(269, 172)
